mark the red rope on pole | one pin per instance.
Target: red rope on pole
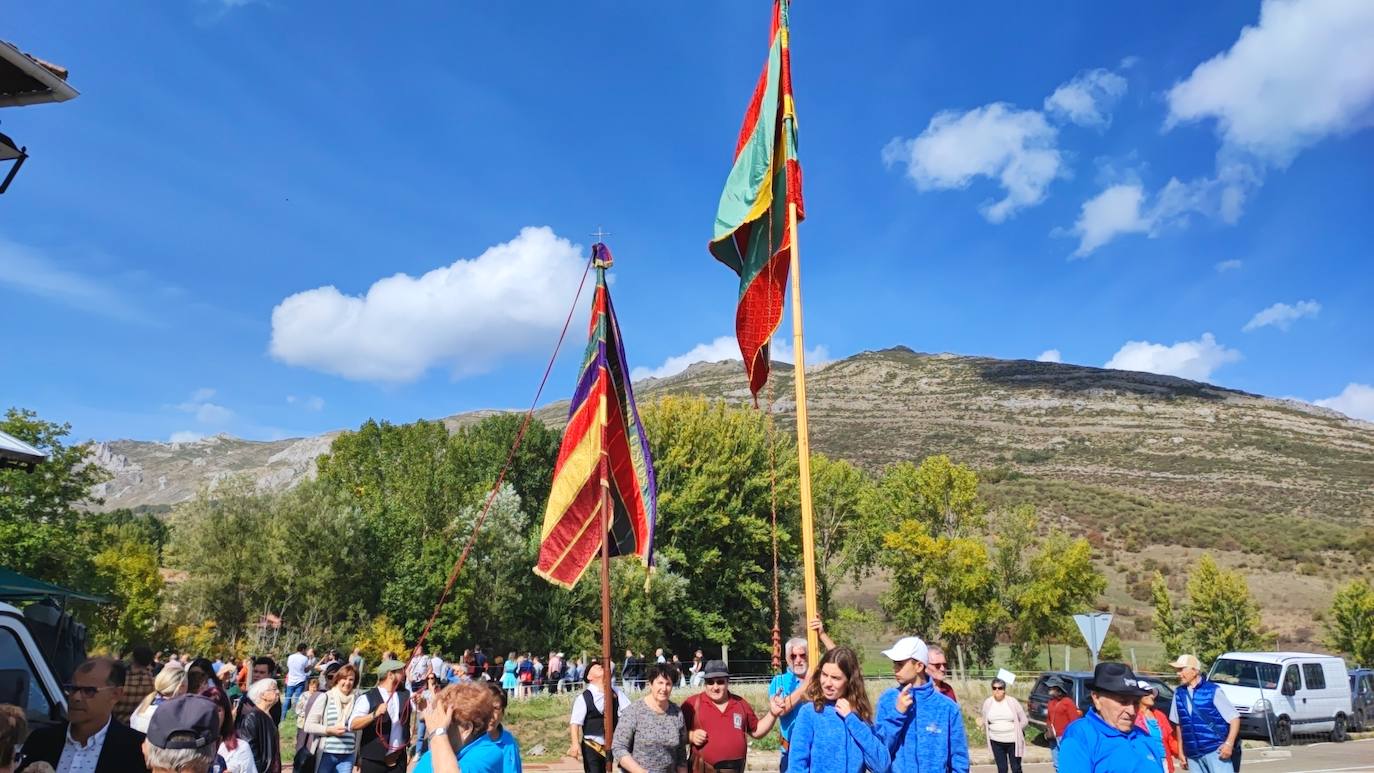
(510, 457)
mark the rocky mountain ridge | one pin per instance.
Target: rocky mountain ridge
(1143, 433)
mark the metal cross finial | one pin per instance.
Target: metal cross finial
(600, 235)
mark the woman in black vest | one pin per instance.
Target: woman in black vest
(588, 722)
(383, 716)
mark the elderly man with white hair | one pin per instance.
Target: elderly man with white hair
(787, 691)
(256, 727)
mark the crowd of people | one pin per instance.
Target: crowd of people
(827, 722)
(430, 715)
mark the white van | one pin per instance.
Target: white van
(1278, 694)
(25, 678)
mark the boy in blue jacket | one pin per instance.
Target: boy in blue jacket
(922, 729)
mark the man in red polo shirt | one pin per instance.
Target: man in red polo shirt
(719, 724)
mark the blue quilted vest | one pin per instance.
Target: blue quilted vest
(1202, 727)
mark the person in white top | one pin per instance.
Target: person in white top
(1004, 723)
(297, 672)
(382, 714)
(587, 723)
(436, 665)
(418, 668)
(169, 683)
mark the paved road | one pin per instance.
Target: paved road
(1313, 758)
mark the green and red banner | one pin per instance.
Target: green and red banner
(603, 422)
(752, 235)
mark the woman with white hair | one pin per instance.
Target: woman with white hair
(255, 725)
(168, 684)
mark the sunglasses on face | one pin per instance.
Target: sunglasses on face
(716, 681)
(940, 666)
(797, 656)
(999, 689)
(85, 692)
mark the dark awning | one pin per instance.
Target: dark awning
(16, 587)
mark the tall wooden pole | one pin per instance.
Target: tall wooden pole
(808, 527)
(607, 681)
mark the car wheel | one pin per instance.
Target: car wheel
(1283, 732)
(1338, 733)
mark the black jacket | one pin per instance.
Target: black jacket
(260, 733)
(122, 752)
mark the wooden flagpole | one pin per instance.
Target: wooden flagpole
(607, 681)
(808, 528)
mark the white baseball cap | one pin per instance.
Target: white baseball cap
(909, 648)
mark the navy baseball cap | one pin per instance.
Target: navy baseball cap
(185, 714)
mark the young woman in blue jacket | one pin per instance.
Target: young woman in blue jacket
(835, 733)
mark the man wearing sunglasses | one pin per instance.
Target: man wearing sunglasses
(90, 740)
(939, 667)
(787, 691)
(720, 724)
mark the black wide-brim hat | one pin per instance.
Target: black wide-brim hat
(1116, 678)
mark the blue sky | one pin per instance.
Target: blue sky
(279, 218)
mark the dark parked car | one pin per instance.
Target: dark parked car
(1078, 690)
(1361, 698)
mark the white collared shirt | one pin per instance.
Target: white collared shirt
(393, 710)
(79, 758)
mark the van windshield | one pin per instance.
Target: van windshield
(1245, 673)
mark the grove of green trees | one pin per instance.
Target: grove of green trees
(360, 553)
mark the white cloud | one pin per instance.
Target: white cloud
(465, 316)
(1110, 213)
(310, 403)
(1050, 355)
(209, 413)
(30, 271)
(816, 357)
(1228, 265)
(1304, 73)
(1124, 208)
(1356, 401)
(205, 411)
(1015, 147)
(1088, 98)
(727, 348)
(1282, 316)
(185, 436)
(1195, 360)
(723, 348)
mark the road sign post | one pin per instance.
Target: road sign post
(1093, 626)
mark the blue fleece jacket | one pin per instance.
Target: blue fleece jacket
(822, 742)
(1090, 745)
(928, 737)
